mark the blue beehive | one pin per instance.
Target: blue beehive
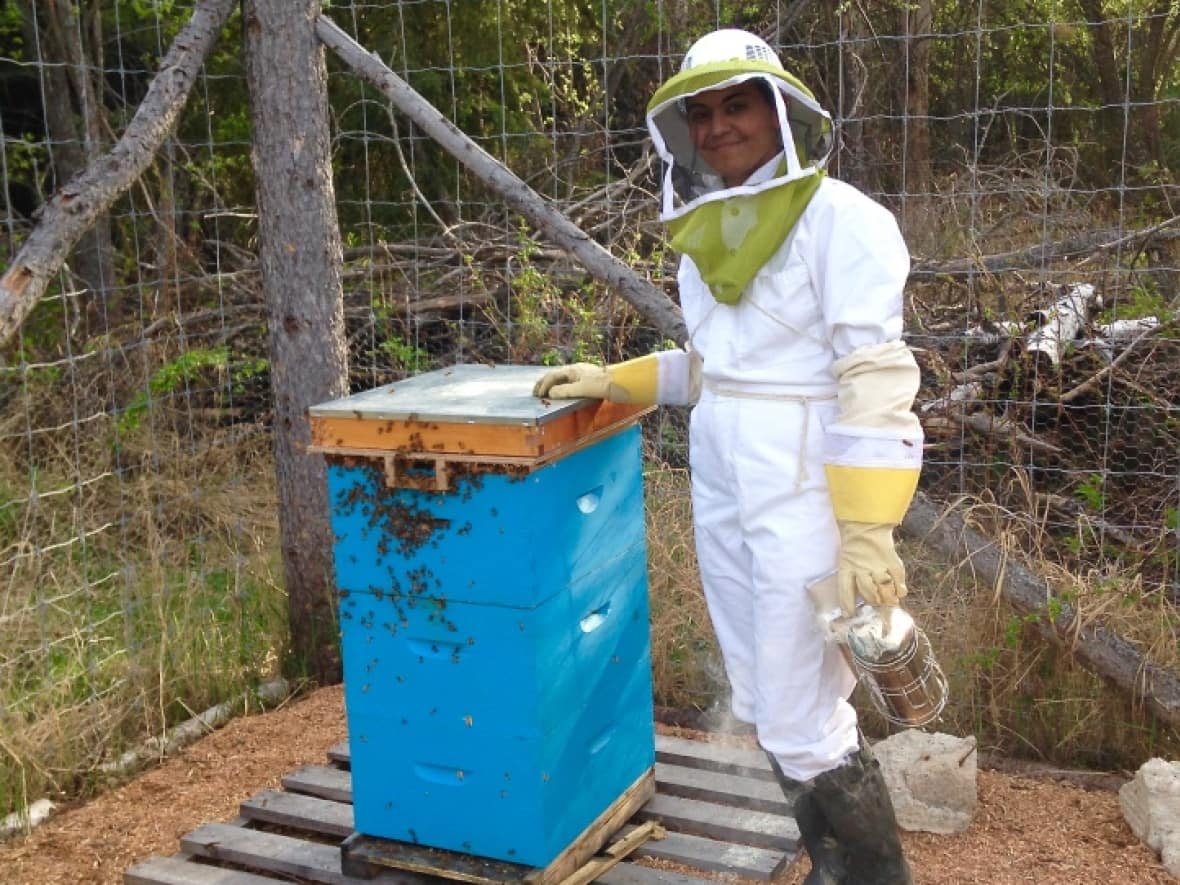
(493, 610)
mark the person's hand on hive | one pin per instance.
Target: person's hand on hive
(634, 381)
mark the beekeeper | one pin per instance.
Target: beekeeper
(803, 447)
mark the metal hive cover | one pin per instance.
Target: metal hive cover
(473, 393)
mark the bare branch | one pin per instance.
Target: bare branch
(1042, 253)
(1092, 381)
(988, 425)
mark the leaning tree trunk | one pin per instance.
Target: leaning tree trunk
(300, 258)
(650, 301)
(80, 202)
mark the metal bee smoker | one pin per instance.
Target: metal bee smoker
(890, 655)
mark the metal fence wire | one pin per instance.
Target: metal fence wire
(1026, 150)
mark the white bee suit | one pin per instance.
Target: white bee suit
(803, 446)
(763, 428)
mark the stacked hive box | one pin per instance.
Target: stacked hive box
(491, 571)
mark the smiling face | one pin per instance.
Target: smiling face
(735, 130)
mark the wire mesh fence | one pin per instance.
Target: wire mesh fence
(1026, 149)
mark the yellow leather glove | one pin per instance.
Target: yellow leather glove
(869, 566)
(634, 381)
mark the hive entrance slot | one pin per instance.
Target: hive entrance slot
(425, 474)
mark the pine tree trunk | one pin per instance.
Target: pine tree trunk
(300, 259)
(919, 20)
(856, 151)
(74, 121)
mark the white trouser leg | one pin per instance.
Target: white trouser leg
(763, 532)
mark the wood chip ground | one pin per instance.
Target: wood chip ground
(288, 762)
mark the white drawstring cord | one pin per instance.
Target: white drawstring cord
(801, 474)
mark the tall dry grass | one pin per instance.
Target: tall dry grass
(139, 585)
(1021, 695)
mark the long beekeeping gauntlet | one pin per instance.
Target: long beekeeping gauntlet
(872, 462)
(634, 382)
(869, 566)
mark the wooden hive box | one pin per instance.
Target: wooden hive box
(491, 571)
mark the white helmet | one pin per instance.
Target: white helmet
(719, 60)
(729, 44)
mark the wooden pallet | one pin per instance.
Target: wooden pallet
(366, 856)
(720, 807)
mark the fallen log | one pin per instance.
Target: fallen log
(1095, 647)
(996, 426)
(969, 392)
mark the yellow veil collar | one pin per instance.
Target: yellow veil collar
(731, 238)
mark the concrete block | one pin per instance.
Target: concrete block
(931, 778)
(1151, 806)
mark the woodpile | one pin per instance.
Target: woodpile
(1068, 417)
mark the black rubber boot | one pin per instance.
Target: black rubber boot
(854, 803)
(827, 865)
